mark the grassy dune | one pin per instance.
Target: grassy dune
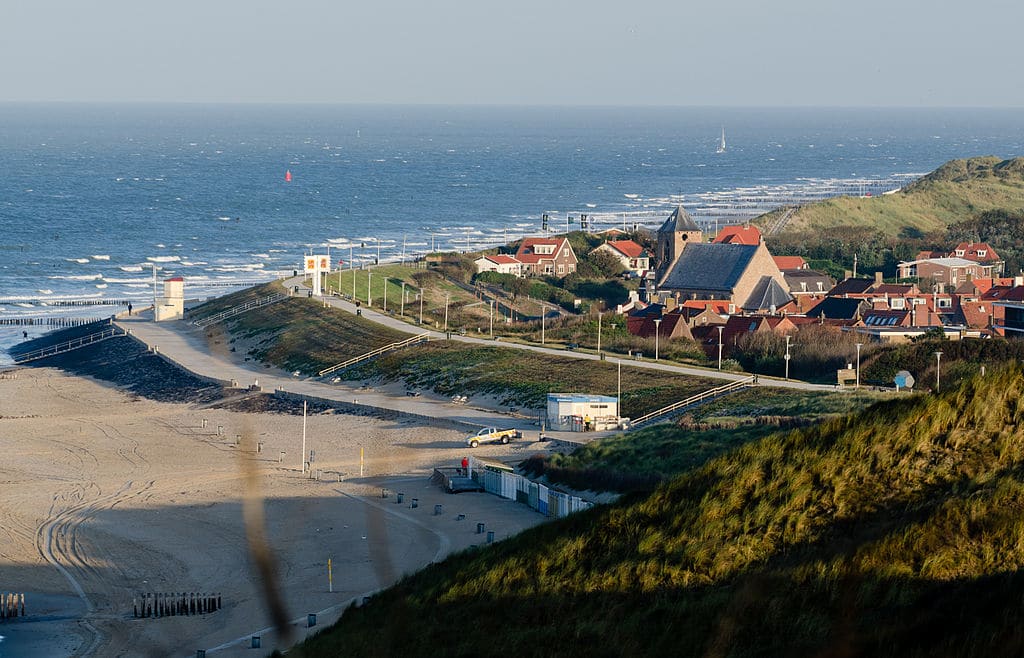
(896, 531)
(955, 191)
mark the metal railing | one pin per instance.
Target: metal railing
(73, 344)
(420, 338)
(241, 308)
(709, 394)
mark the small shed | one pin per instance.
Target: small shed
(172, 305)
(577, 412)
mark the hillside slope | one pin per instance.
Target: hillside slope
(898, 531)
(955, 191)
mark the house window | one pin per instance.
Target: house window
(821, 287)
(572, 268)
(897, 303)
(981, 253)
(565, 252)
(945, 303)
(561, 268)
(548, 269)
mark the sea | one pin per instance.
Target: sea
(99, 201)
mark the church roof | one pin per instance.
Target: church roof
(679, 221)
(767, 294)
(708, 266)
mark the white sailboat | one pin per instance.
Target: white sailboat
(721, 143)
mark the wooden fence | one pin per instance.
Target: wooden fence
(173, 604)
(12, 605)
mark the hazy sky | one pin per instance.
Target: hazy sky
(549, 52)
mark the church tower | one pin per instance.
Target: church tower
(678, 230)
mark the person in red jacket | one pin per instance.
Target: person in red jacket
(465, 466)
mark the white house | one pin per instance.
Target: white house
(575, 412)
(501, 263)
(632, 255)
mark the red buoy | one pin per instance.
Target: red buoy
(287, 176)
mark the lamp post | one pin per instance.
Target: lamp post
(788, 338)
(421, 306)
(858, 365)
(369, 281)
(599, 334)
(543, 316)
(492, 320)
(938, 361)
(401, 308)
(385, 295)
(447, 296)
(618, 388)
(721, 328)
(351, 264)
(657, 333)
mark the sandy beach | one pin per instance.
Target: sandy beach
(104, 495)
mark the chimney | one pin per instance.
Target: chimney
(847, 274)
(878, 278)
(1018, 281)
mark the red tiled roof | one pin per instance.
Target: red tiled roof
(175, 278)
(790, 262)
(970, 252)
(748, 235)
(526, 253)
(627, 247)
(502, 259)
(894, 289)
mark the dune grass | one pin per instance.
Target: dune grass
(895, 531)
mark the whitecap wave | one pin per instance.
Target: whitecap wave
(130, 268)
(163, 259)
(77, 260)
(77, 277)
(100, 257)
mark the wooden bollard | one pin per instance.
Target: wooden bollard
(255, 642)
(438, 510)
(310, 620)
(490, 536)
(22, 604)
(401, 497)
(383, 493)
(218, 600)
(415, 503)
(480, 528)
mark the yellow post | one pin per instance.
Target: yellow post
(330, 577)
(360, 462)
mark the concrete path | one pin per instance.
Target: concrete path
(401, 325)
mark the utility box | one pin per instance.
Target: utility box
(172, 305)
(577, 412)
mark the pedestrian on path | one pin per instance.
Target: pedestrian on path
(465, 466)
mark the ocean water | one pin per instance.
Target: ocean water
(93, 198)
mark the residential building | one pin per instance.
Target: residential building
(502, 263)
(633, 256)
(552, 256)
(947, 271)
(790, 262)
(979, 252)
(739, 234)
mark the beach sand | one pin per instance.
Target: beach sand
(104, 495)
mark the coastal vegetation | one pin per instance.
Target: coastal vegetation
(642, 459)
(957, 190)
(890, 532)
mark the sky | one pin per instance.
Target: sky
(528, 52)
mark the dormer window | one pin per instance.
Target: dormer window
(544, 249)
(960, 253)
(982, 253)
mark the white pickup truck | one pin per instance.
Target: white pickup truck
(493, 435)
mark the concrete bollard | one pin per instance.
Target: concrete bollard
(401, 497)
(310, 620)
(200, 653)
(259, 447)
(438, 510)
(280, 457)
(383, 493)
(490, 536)
(479, 528)
(255, 642)
(460, 517)
(415, 503)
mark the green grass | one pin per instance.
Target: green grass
(958, 189)
(639, 460)
(892, 532)
(522, 378)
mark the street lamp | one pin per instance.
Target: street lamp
(788, 338)
(543, 316)
(369, 280)
(721, 328)
(492, 319)
(938, 360)
(858, 365)
(351, 264)
(618, 388)
(421, 306)
(657, 332)
(447, 296)
(401, 309)
(385, 295)
(598, 334)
